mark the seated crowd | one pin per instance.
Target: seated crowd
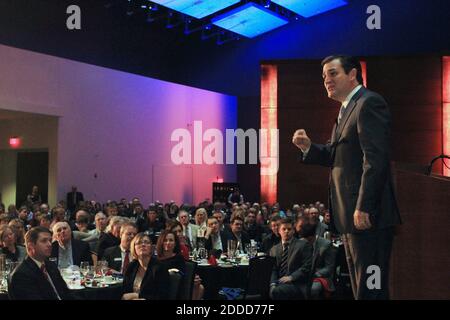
(144, 244)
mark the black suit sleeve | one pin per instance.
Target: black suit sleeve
(374, 133)
(20, 288)
(318, 154)
(302, 273)
(329, 257)
(85, 252)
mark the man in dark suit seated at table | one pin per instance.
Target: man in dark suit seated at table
(272, 239)
(119, 257)
(293, 265)
(68, 251)
(323, 261)
(36, 278)
(236, 233)
(216, 241)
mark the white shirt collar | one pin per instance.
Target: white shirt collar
(39, 264)
(350, 95)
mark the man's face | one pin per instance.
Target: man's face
(44, 208)
(251, 218)
(314, 213)
(112, 211)
(59, 214)
(126, 235)
(326, 218)
(42, 249)
(236, 226)
(62, 233)
(336, 82)
(218, 217)
(286, 231)
(274, 227)
(100, 222)
(184, 218)
(214, 225)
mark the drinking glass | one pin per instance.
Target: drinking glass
(102, 267)
(231, 246)
(84, 268)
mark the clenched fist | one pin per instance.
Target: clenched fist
(301, 140)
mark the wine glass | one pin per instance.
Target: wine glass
(84, 268)
(102, 267)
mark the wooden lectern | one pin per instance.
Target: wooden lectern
(420, 262)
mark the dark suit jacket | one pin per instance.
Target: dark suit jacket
(105, 241)
(229, 235)
(358, 156)
(323, 260)
(154, 286)
(113, 256)
(269, 240)
(71, 205)
(29, 283)
(299, 260)
(80, 251)
(223, 239)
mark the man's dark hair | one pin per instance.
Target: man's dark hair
(348, 63)
(308, 230)
(275, 219)
(33, 234)
(286, 221)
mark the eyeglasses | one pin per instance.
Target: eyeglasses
(141, 243)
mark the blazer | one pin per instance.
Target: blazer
(229, 235)
(154, 286)
(113, 256)
(299, 260)
(358, 155)
(105, 241)
(80, 251)
(29, 283)
(223, 239)
(323, 260)
(71, 204)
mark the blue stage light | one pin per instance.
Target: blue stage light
(309, 8)
(249, 20)
(196, 8)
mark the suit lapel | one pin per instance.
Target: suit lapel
(350, 107)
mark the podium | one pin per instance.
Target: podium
(420, 261)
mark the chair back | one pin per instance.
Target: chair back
(174, 285)
(187, 282)
(259, 274)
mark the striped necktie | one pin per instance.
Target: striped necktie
(284, 260)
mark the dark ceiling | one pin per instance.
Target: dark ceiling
(111, 38)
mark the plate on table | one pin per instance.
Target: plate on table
(76, 287)
(96, 285)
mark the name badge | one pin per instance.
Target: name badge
(117, 259)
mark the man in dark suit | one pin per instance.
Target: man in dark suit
(119, 257)
(361, 197)
(36, 278)
(216, 240)
(73, 198)
(68, 251)
(236, 233)
(293, 264)
(323, 260)
(273, 238)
